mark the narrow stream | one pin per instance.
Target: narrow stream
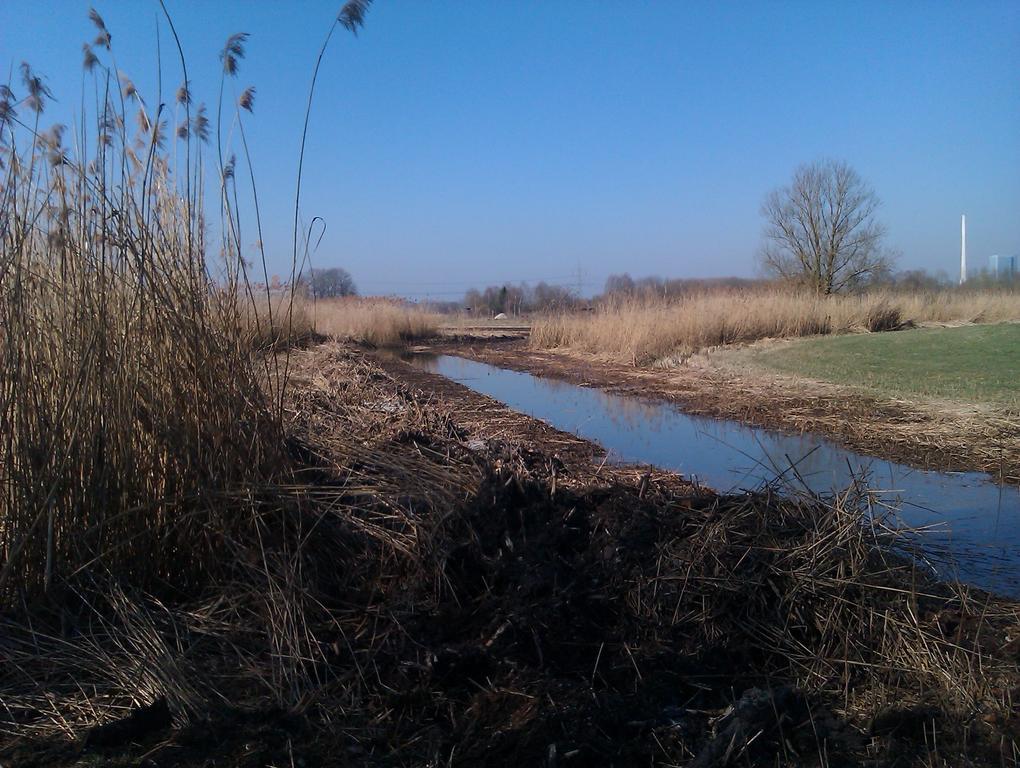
(974, 519)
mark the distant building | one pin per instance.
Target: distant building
(1003, 266)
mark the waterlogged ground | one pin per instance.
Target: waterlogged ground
(973, 523)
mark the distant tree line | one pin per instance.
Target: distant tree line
(519, 299)
(886, 278)
(623, 285)
(524, 299)
(985, 278)
(921, 280)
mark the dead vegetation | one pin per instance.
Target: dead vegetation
(278, 319)
(421, 595)
(130, 402)
(294, 319)
(373, 321)
(643, 331)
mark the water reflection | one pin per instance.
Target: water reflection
(973, 517)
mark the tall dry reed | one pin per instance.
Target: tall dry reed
(642, 331)
(277, 320)
(130, 404)
(378, 322)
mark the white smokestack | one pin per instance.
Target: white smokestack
(963, 249)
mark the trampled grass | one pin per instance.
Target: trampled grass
(968, 363)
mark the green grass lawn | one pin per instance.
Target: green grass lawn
(978, 363)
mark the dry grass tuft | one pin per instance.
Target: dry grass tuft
(644, 331)
(883, 317)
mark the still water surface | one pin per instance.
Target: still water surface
(973, 518)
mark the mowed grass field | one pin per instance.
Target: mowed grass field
(977, 363)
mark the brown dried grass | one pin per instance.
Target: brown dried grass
(274, 321)
(433, 601)
(373, 321)
(642, 331)
(129, 398)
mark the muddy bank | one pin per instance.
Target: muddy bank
(446, 582)
(925, 435)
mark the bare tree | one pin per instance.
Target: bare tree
(328, 283)
(619, 284)
(821, 229)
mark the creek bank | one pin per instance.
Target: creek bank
(929, 435)
(969, 520)
(452, 583)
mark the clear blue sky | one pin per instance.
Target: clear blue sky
(456, 143)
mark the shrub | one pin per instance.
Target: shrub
(883, 317)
